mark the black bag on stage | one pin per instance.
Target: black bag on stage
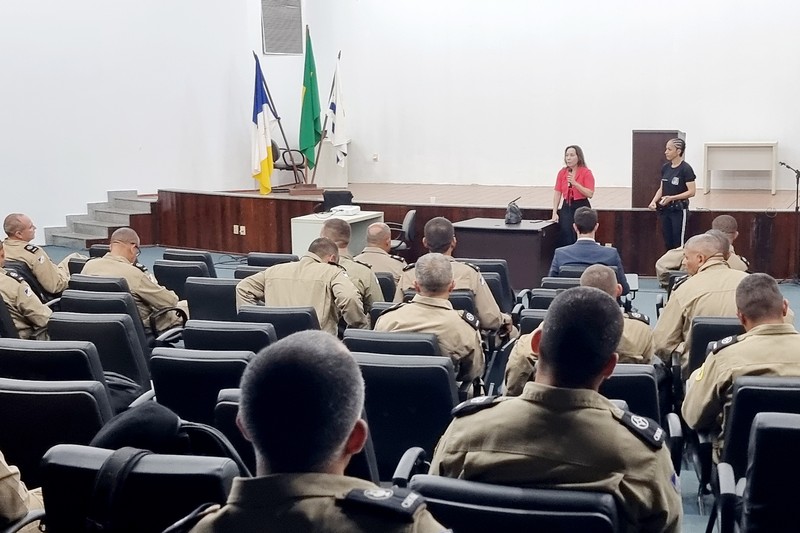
(513, 212)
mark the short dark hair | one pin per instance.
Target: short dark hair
(337, 230)
(578, 152)
(726, 224)
(439, 234)
(301, 398)
(580, 333)
(585, 219)
(758, 297)
(323, 246)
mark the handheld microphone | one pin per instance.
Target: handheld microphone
(569, 173)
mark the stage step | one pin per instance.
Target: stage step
(102, 219)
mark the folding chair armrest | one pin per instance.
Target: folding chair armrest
(524, 298)
(675, 440)
(412, 462)
(678, 391)
(144, 398)
(728, 498)
(659, 304)
(54, 304)
(170, 337)
(18, 525)
(516, 313)
(153, 317)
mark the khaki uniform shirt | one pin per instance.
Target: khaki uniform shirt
(635, 346)
(710, 292)
(15, 498)
(53, 278)
(27, 311)
(382, 261)
(570, 439)
(147, 293)
(766, 350)
(307, 282)
(457, 337)
(299, 503)
(363, 278)
(466, 277)
(674, 260)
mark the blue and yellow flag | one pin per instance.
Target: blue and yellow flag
(261, 159)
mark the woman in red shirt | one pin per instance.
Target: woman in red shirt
(574, 183)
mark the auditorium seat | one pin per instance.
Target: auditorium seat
(173, 274)
(211, 298)
(530, 320)
(264, 259)
(25, 272)
(99, 250)
(500, 266)
(173, 254)
(462, 299)
(559, 282)
(387, 283)
(75, 265)
(377, 309)
(7, 328)
(227, 336)
(245, 271)
(85, 282)
(285, 320)
(391, 342)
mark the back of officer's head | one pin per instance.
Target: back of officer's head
(439, 234)
(434, 273)
(759, 299)
(301, 398)
(724, 242)
(727, 225)
(600, 277)
(337, 230)
(324, 247)
(585, 219)
(580, 334)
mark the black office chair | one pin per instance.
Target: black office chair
(24, 271)
(473, 507)
(764, 501)
(560, 282)
(530, 320)
(75, 265)
(408, 402)
(291, 160)
(173, 274)
(230, 336)
(285, 320)
(189, 381)
(191, 255)
(245, 271)
(211, 298)
(158, 490)
(36, 415)
(387, 283)
(391, 342)
(404, 232)
(99, 250)
(265, 260)
(7, 328)
(499, 266)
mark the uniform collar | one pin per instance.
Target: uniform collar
(433, 302)
(713, 263)
(374, 250)
(346, 254)
(117, 258)
(560, 398)
(15, 242)
(770, 329)
(277, 488)
(313, 257)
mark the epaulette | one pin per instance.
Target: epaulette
(13, 275)
(716, 346)
(470, 319)
(409, 267)
(397, 258)
(474, 405)
(645, 428)
(680, 281)
(638, 316)
(140, 266)
(476, 268)
(363, 263)
(402, 503)
(745, 261)
(31, 248)
(337, 265)
(395, 307)
(188, 522)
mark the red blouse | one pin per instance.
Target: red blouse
(583, 176)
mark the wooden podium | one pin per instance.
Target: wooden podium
(648, 158)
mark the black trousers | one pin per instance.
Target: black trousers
(673, 227)
(566, 217)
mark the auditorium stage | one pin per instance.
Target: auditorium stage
(194, 219)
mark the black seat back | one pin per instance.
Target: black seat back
(572, 270)
(559, 282)
(36, 415)
(263, 259)
(408, 402)
(388, 286)
(245, 271)
(706, 329)
(530, 319)
(285, 320)
(391, 342)
(462, 299)
(499, 266)
(85, 282)
(113, 335)
(211, 298)
(377, 309)
(159, 490)
(227, 336)
(27, 275)
(173, 254)
(173, 274)
(99, 250)
(505, 301)
(542, 298)
(189, 381)
(75, 265)
(50, 360)
(472, 507)
(7, 328)
(637, 386)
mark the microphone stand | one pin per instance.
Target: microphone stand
(796, 278)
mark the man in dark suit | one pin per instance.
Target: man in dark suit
(587, 251)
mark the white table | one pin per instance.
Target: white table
(739, 156)
(306, 228)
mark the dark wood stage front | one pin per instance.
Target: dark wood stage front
(768, 235)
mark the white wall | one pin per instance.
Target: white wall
(150, 94)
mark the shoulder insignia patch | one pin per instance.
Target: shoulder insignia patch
(639, 316)
(397, 258)
(13, 275)
(31, 248)
(645, 428)
(409, 267)
(399, 502)
(474, 405)
(140, 266)
(470, 319)
(680, 281)
(716, 346)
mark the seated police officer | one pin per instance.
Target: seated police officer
(301, 408)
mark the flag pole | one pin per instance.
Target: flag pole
(325, 122)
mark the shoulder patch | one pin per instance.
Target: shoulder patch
(680, 281)
(639, 316)
(474, 405)
(402, 503)
(31, 248)
(409, 267)
(645, 428)
(397, 258)
(13, 275)
(716, 346)
(140, 266)
(470, 319)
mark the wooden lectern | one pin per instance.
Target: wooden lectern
(648, 157)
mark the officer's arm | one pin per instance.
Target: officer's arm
(374, 293)
(469, 357)
(705, 397)
(348, 301)
(647, 345)
(153, 294)
(486, 306)
(663, 511)
(14, 495)
(31, 308)
(250, 290)
(668, 333)
(52, 279)
(520, 367)
(405, 282)
(447, 462)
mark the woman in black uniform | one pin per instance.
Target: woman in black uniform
(672, 197)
